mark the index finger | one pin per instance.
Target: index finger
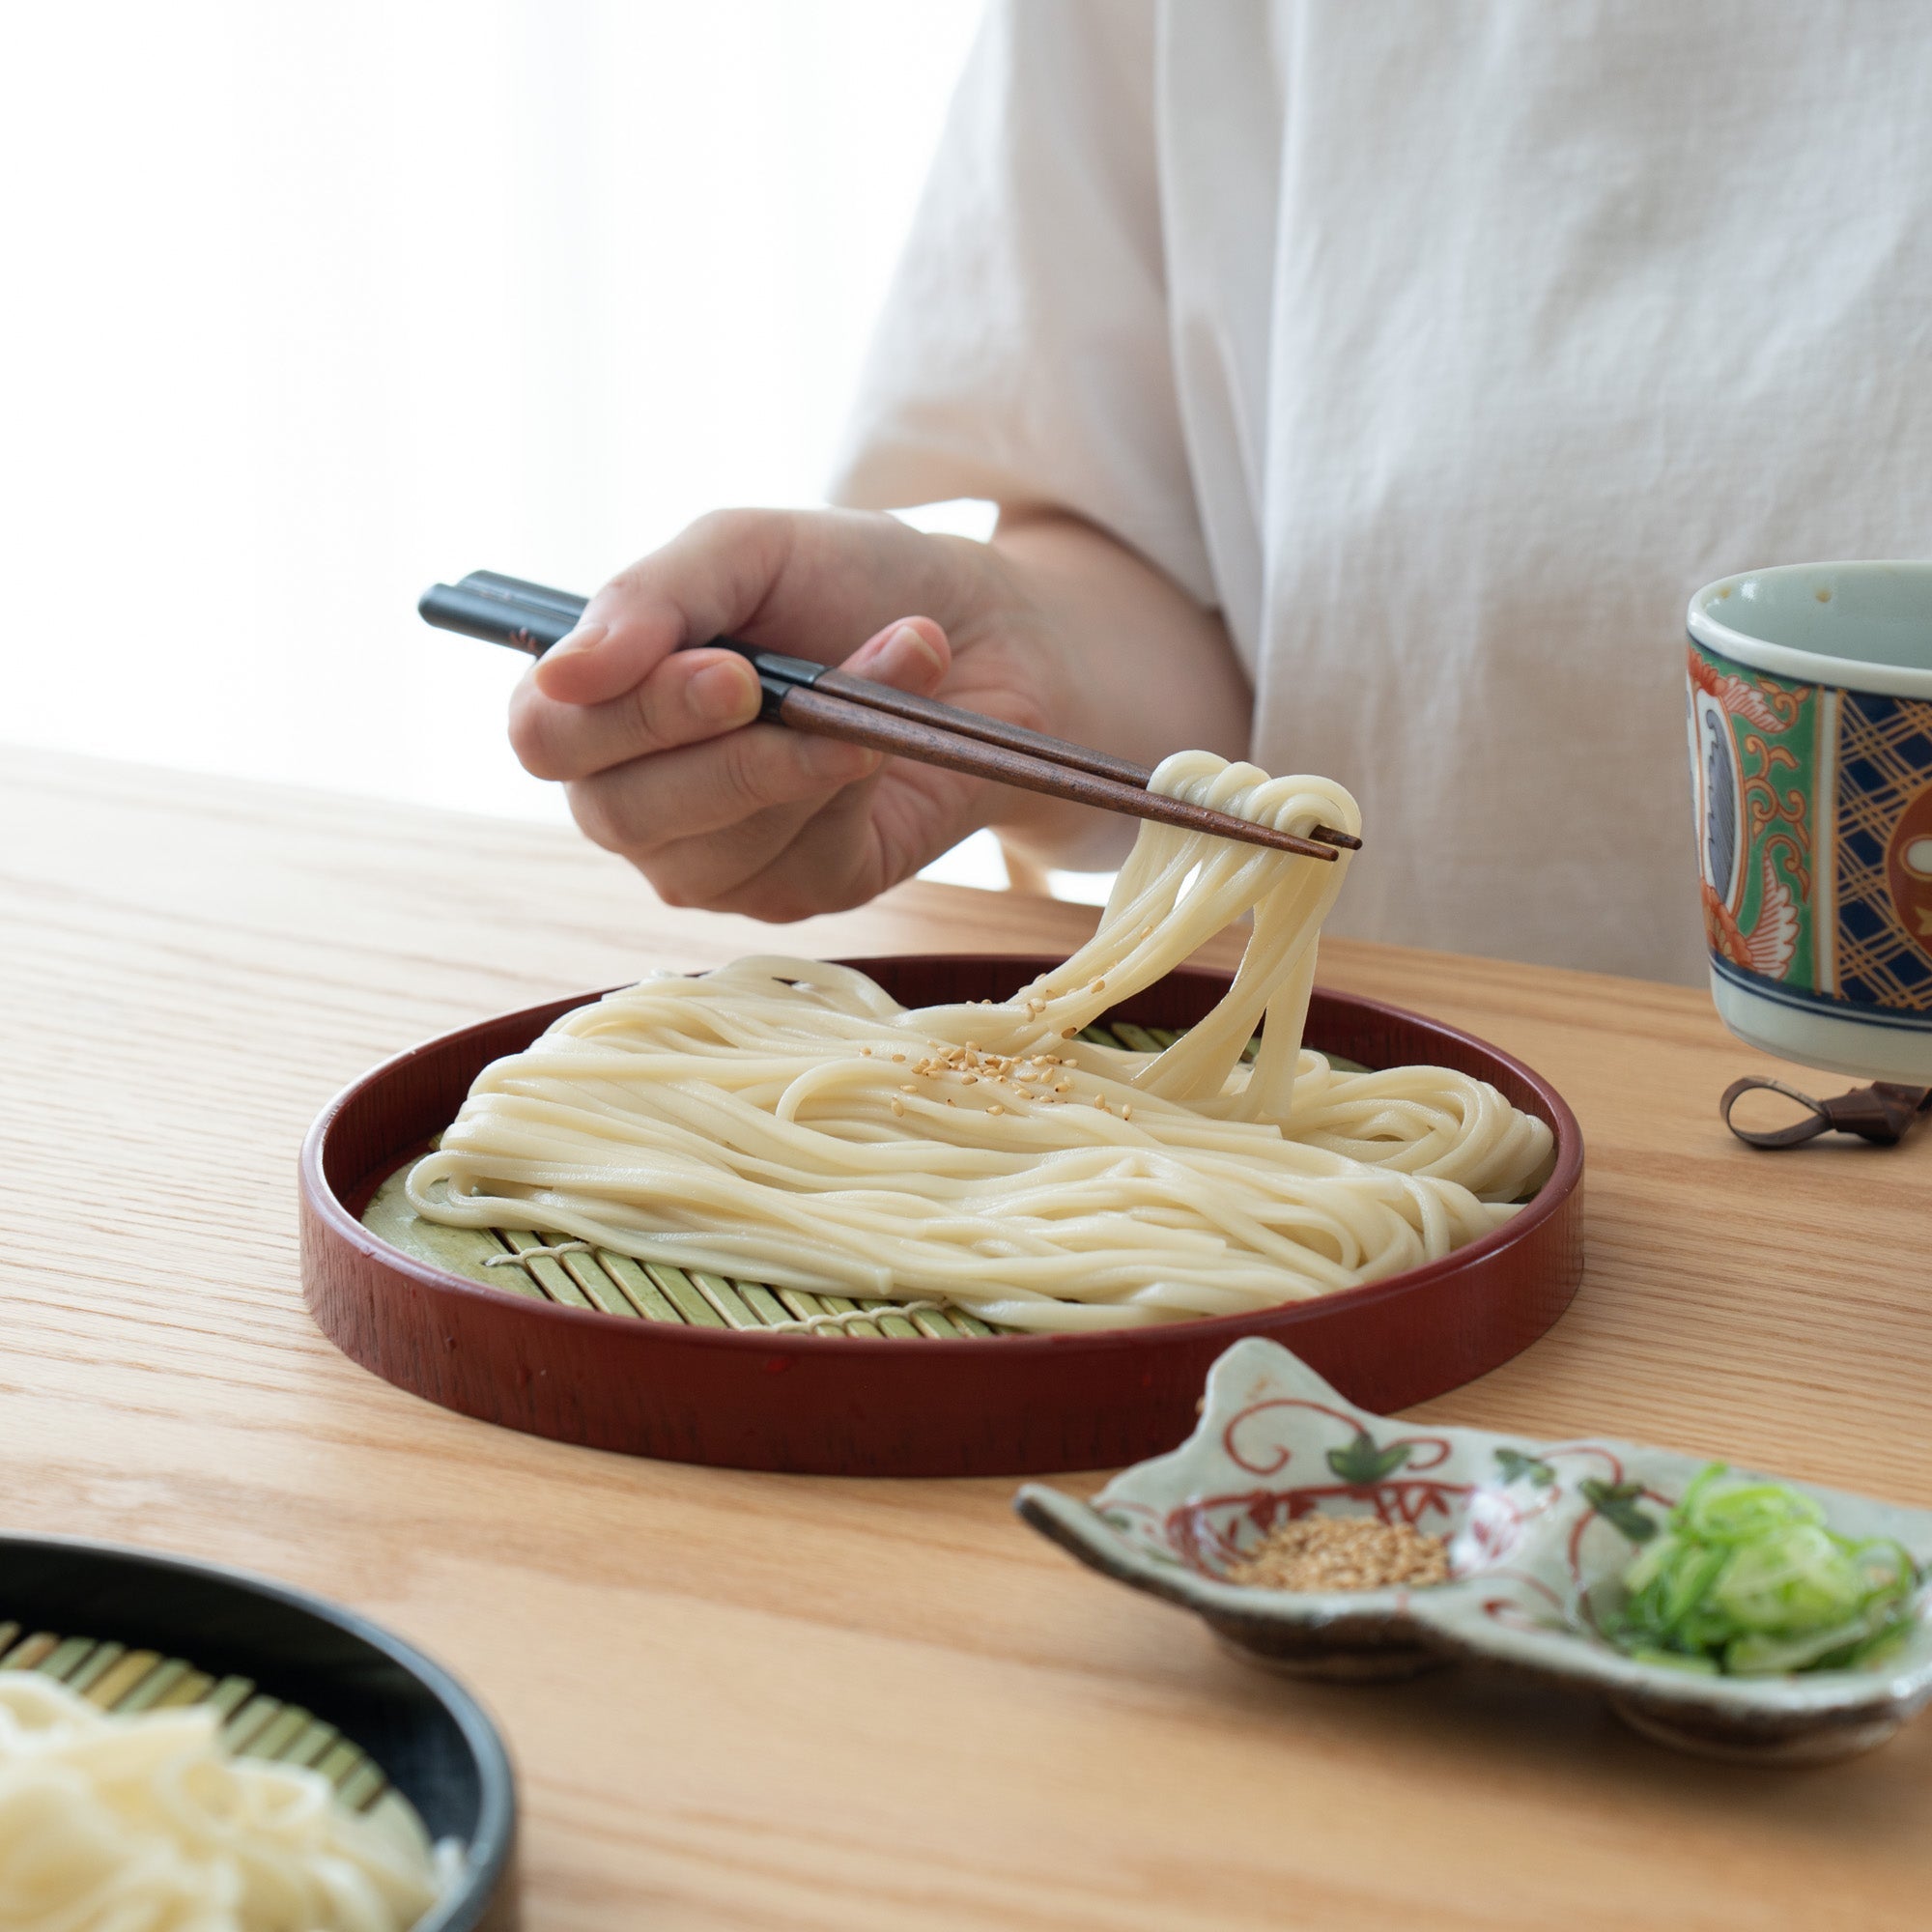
(700, 586)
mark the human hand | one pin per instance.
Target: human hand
(657, 747)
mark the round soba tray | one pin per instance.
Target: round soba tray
(585, 1348)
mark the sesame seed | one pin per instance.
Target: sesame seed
(899, 1108)
(1329, 1553)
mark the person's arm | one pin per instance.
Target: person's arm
(1151, 672)
(1055, 625)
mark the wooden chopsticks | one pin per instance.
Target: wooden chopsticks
(832, 703)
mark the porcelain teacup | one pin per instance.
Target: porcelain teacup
(1810, 718)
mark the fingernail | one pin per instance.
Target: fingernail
(905, 653)
(721, 694)
(585, 637)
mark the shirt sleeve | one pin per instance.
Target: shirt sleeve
(1024, 355)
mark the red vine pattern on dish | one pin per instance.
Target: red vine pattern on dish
(1391, 1477)
(1207, 1546)
(1285, 1454)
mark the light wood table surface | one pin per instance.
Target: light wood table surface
(745, 1701)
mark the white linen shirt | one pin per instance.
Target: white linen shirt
(1446, 348)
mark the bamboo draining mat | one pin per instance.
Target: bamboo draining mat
(125, 1681)
(596, 1278)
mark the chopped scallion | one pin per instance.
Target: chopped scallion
(1746, 1578)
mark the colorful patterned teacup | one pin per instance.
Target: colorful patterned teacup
(1811, 768)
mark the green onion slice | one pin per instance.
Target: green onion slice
(1746, 1578)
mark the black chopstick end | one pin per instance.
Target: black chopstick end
(521, 623)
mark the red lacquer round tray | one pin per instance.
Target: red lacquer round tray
(1009, 1405)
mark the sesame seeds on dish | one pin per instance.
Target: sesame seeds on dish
(1343, 1553)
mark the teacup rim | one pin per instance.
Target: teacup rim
(1802, 667)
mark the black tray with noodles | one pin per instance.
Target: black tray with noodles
(296, 1680)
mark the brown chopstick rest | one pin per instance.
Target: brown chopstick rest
(1882, 1112)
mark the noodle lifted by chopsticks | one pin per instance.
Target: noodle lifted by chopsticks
(788, 1123)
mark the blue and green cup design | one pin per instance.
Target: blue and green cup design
(1810, 725)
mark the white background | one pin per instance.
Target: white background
(308, 307)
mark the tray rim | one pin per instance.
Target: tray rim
(1550, 1199)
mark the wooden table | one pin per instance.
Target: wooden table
(753, 1701)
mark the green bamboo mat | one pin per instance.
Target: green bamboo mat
(124, 1681)
(579, 1275)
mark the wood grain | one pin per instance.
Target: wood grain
(807, 708)
(753, 1701)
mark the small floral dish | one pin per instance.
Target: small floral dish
(1539, 1537)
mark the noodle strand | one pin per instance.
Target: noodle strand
(787, 1122)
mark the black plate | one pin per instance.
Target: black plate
(429, 1735)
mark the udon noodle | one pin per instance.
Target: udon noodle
(140, 1824)
(788, 1123)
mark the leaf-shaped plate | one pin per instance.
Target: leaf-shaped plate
(1539, 1534)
